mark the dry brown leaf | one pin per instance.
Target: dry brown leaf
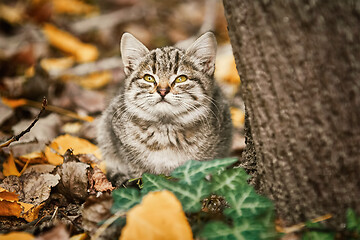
(237, 116)
(159, 216)
(9, 167)
(92, 81)
(55, 65)
(17, 236)
(74, 180)
(101, 183)
(9, 196)
(73, 7)
(65, 142)
(10, 208)
(70, 44)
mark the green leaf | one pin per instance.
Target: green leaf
(193, 171)
(190, 196)
(125, 198)
(220, 231)
(242, 198)
(318, 236)
(353, 221)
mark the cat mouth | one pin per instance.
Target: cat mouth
(162, 101)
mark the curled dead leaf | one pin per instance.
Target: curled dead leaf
(101, 183)
(159, 216)
(9, 167)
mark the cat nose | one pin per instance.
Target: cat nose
(163, 91)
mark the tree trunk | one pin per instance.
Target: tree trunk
(299, 63)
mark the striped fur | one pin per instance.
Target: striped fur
(142, 132)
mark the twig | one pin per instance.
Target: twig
(17, 137)
(299, 226)
(106, 224)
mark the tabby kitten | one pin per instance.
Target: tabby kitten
(170, 110)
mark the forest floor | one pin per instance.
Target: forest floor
(59, 63)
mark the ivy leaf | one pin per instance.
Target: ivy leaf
(353, 222)
(242, 198)
(193, 171)
(190, 196)
(220, 231)
(125, 198)
(312, 235)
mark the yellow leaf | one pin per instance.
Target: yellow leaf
(72, 7)
(35, 157)
(64, 142)
(14, 103)
(159, 216)
(70, 44)
(17, 236)
(12, 14)
(31, 213)
(226, 69)
(9, 167)
(56, 64)
(237, 116)
(81, 236)
(91, 81)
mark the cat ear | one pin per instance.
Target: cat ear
(132, 50)
(204, 51)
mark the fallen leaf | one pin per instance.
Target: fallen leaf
(34, 158)
(17, 235)
(9, 196)
(6, 112)
(70, 44)
(73, 7)
(12, 15)
(14, 103)
(237, 117)
(33, 213)
(65, 142)
(95, 210)
(57, 233)
(9, 167)
(226, 69)
(10, 208)
(56, 65)
(101, 183)
(81, 236)
(159, 216)
(74, 180)
(92, 81)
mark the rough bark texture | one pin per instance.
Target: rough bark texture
(299, 63)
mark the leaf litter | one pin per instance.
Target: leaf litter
(68, 52)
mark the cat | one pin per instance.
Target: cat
(168, 111)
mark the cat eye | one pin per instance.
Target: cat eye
(181, 79)
(149, 78)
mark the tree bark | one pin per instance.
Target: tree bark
(299, 62)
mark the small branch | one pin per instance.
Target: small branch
(300, 226)
(17, 137)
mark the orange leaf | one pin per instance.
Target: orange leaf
(72, 7)
(92, 81)
(10, 208)
(14, 103)
(64, 142)
(9, 196)
(81, 236)
(70, 44)
(32, 213)
(238, 117)
(16, 236)
(159, 216)
(9, 167)
(56, 64)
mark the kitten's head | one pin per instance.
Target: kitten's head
(169, 81)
